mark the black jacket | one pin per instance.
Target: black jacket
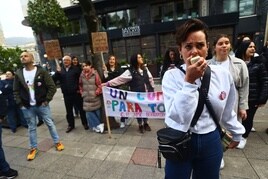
(69, 80)
(44, 88)
(258, 81)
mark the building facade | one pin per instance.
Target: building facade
(149, 26)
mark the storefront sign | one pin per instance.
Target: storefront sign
(131, 31)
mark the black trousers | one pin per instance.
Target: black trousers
(248, 123)
(71, 100)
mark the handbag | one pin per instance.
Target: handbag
(175, 144)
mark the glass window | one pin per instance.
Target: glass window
(148, 48)
(74, 51)
(72, 28)
(133, 46)
(119, 49)
(119, 19)
(230, 6)
(247, 7)
(166, 41)
(162, 12)
(187, 9)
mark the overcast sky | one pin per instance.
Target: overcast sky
(11, 17)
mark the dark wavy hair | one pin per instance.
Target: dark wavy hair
(188, 27)
(241, 49)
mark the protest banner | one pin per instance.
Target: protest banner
(121, 103)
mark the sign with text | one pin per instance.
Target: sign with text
(121, 103)
(100, 42)
(131, 31)
(53, 49)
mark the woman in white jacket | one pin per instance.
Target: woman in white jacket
(238, 70)
(181, 99)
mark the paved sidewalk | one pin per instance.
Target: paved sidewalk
(127, 155)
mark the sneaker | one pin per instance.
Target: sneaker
(101, 127)
(59, 146)
(242, 143)
(122, 125)
(95, 129)
(32, 154)
(11, 173)
(222, 164)
(147, 127)
(253, 129)
(141, 128)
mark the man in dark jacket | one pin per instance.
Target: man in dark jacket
(33, 90)
(5, 170)
(68, 76)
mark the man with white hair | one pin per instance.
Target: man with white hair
(68, 76)
(33, 90)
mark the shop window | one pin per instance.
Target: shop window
(230, 6)
(133, 46)
(166, 41)
(119, 19)
(247, 7)
(72, 28)
(186, 9)
(162, 12)
(74, 51)
(119, 49)
(148, 48)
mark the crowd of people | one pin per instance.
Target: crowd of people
(238, 87)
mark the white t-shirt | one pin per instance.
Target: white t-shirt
(29, 80)
(225, 64)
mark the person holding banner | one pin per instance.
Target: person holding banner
(112, 70)
(181, 97)
(90, 90)
(139, 79)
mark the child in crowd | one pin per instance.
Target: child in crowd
(90, 89)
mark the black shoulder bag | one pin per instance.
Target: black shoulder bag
(175, 144)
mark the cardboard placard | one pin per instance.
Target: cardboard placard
(53, 49)
(100, 42)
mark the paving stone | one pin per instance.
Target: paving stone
(237, 167)
(148, 142)
(144, 157)
(98, 151)
(139, 172)
(45, 145)
(63, 164)
(260, 166)
(129, 140)
(85, 168)
(77, 149)
(121, 154)
(111, 170)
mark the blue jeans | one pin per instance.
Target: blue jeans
(4, 166)
(30, 115)
(206, 159)
(93, 118)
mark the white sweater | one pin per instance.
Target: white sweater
(181, 98)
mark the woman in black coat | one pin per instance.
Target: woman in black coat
(258, 84)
